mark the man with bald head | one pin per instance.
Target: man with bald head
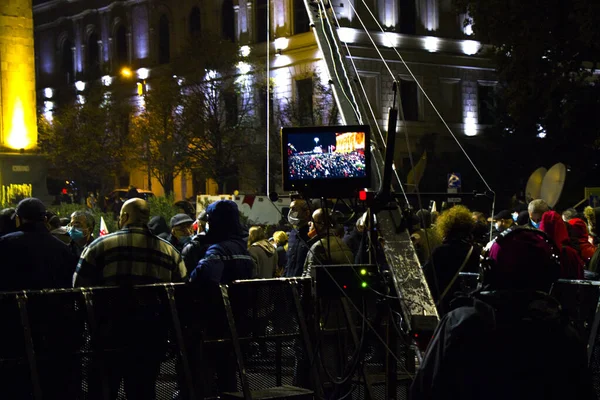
(130, 256)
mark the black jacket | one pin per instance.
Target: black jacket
(504, 345)
(33, 258)
(442, 267)
(297, 251)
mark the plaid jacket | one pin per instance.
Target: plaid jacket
(131, 256)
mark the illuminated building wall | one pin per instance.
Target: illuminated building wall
(18, 125)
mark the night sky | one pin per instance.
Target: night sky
(305, 141)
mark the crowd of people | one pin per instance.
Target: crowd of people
(519, 259)
(326, 165)
(508, 338)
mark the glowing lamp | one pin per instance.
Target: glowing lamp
(126, 72)
(143, 73)
(431, 44)
(106, 80)
(470, 47)
(363, 285)
(363, 271)
(243, 67)
(281, 43)
(48, 93)
(362, 195)
(245, 51)
(80, 86)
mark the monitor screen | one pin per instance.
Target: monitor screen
(326, 159)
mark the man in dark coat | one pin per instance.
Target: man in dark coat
(299, 216)
(32, 258)
(508, 340)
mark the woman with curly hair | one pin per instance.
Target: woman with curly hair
(458, 253)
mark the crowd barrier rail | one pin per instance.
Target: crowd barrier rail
(245, 340)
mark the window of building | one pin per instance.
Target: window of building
(301, 21)
(121, 47)
(409, 98)
(260, 21)
(195, 22)
(230, 100)
(66, 64)
(164, 40)
(371, 86)
(304, 98)
(451, 100)
(227, 21)
(485, 104)
(93, 55)
(408, 17)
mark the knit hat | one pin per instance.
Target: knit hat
(523, 259)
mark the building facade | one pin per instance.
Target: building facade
(79, 41)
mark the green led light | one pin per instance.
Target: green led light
(363, 271)
(364, 284)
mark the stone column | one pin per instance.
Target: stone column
(18, 123)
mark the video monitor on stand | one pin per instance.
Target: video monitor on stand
(328, 161)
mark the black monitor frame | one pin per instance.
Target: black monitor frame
(326, 187)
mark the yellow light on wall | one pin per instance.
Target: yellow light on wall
(18, 137)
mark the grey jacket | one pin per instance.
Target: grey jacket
(328, 250)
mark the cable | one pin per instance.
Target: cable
(322, 11)
(425, 94)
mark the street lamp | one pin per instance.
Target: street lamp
(126, 72)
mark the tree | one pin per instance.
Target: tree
(87, 141)
(161, 131)
(546, 52)
(219, 111)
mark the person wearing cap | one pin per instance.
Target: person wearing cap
(509, 339)
(227, 258)
(181, 231)
(32, 258)
(502, 221)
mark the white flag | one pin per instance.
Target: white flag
(103, 228)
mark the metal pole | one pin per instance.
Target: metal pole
(268, 90)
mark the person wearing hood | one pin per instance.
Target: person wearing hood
(181, 231)
(262, 252)
(81, 231)
(227, 258)
(571, 265)
(508, 340)
(579, 232)
(158, 227)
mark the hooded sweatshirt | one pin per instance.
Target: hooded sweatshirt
(571, 265)
(580, 232)
(265, 257)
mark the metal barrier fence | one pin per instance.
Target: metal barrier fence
(246, 340)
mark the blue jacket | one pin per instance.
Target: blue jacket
(297, 252)
(224, 262)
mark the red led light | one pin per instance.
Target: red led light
(362, 195)
(345, 287)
